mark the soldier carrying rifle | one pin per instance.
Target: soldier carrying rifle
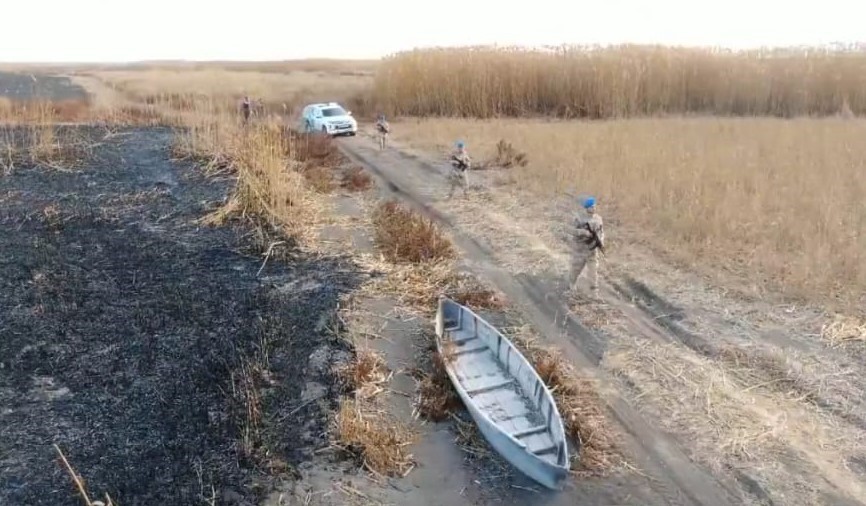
(589, 241)
(460, 164)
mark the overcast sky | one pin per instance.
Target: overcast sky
(122, 30)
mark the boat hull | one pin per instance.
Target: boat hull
(515, 451)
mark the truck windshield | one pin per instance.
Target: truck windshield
(333, 111)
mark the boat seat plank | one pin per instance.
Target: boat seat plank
(462, 335)
(479, 383)
(489, 385)
(550, 448)
(537, 429)
(538, 442)
(470, 348)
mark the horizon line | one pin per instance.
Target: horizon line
(836, 46)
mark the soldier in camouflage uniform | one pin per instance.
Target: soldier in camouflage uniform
(460, 164)
(246, 109)
(382, 130)
(589, 239)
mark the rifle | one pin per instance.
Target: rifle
(596, 240)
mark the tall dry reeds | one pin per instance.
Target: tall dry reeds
(620, 82)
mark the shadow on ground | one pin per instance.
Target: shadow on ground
(129, 333)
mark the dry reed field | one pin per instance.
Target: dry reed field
(181, 88)
(620, 82)
(776, 201)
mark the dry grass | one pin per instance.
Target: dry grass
(733, 419)
(582, 409)
(508, 156)
(365, 374)
(436, 398)
(184, 88)
(619, 82)
(356, 179)
(469, 291)
(271, 187)
(43, 144)
(403, 235)
(844, 330)
(80, 483)
(247, 406)
(40, 111)
(379, 442)
(776, 202)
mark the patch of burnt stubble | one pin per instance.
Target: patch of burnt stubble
(151, 349)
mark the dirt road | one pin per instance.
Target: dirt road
(136, 339)
(709, 411)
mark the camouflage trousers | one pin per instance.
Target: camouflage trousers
(584, 260)
(458, 178)
(382, 138)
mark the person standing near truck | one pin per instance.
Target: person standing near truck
(382, 130)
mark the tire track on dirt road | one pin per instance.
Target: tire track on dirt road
(675, 476)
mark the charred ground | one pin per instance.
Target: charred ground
(18, 86)
(138, 340)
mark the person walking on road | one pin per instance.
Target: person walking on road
(460, 164)
(382, 130)
(589, 241)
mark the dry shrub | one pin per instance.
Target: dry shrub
(270, 185)
(403, 235)
(356, 179)
(376, 441)
(319, 178)
(315, 149)
(619, 81)
(582, 409)
(844, 330)
(507, 156)
(436, 398)
(365, 374)
(266, 186)
(468, 291)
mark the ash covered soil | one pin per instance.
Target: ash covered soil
(24, 86)
(129, 332)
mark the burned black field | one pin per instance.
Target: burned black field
(18, 86)
(149, 348)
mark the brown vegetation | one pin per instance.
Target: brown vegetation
(356, 179)
(379, 444)
(776, 203)
(405, 236)
(619, 82)
(436, 398)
